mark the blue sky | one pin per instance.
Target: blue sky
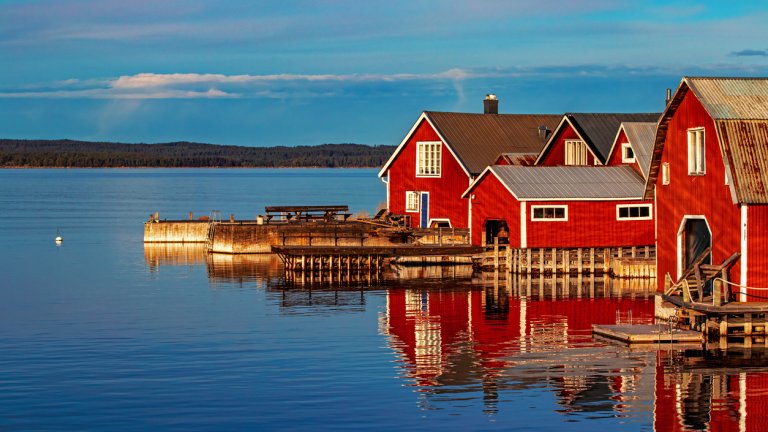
(298, 72)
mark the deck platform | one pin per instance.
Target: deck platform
(647, 333)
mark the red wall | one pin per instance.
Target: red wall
(444, 192)
(615, 157)
(590, 224)
(493, 201)
(694, 195)
(555, 154)
(757, 249)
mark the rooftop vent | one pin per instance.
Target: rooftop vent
(491, 104)
(669, 97)
(543, 132)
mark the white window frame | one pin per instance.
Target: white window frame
(697, 161)
(545, 219)
(576, 152)
(416, 198)
(624, 157)
(431, 221)
(665, 173)
(630, 218)
(429, 158)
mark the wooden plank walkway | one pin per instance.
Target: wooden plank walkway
(647, 333)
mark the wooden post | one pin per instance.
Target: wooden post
(606, 260)
(592, 261)
(541, 261)
(580, 256)
(566, 261)
(554, 261)
(495, 253)
(747, 325)
(509, 259)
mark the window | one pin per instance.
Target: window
(411, 201)
(665, 173)
(549, 213)
(633, 212)
(575, 152)
(428, 159)
(627, 154)
(696, 162)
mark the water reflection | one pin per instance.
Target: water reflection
(503, 342)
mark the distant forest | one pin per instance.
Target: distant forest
(82, 154)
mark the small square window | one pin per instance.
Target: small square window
(411, 201)
(627, 154)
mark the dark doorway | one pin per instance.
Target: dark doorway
(496, 228)
(696, 239)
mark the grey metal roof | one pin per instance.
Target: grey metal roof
(571, 182)
(599, 129)
(478, 139)
(745, 145)
(731, 98)
(641, 135)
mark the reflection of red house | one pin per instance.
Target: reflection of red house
(433, 328)
(709, 172)
(442, 154)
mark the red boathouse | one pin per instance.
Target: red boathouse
(709, 172)
(444, 152)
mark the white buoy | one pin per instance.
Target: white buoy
(58, 238)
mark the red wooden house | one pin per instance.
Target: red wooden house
(561, 206)
(709, 171)
(443, 152)
(586, 138)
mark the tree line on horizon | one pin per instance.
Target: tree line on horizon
(85, 154)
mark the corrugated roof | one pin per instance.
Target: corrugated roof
(599, 129)
(641, 136)
(745, 144)
(478, 139)
(732, 98)
(571, 182)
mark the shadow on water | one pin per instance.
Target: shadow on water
(507, 341)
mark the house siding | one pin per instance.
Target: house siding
(589, 224)
(444, 192)
(493, 201)
(705, 195)
(757, 249)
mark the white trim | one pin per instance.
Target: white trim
(693, 169)
(418, 201)
(385, 180)
(407, 138)
(440, 220)
(743, 264)
(523, 226)
(439, 166)
(656, 233)
(625, 159)
(535, 207)
(680, 231)
(666, 176)
(630, 218)
(469, 218)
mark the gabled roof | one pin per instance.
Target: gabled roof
(477, 139)
(598, 130)
(640, 136)
(567, 182)
(739, 109)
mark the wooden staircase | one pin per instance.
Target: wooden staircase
(691, 285)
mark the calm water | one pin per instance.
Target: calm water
(103, 333)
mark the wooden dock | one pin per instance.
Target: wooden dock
(647, 333)
(629, 261)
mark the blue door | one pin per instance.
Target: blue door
(424, 209)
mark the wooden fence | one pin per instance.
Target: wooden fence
(630, 261)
